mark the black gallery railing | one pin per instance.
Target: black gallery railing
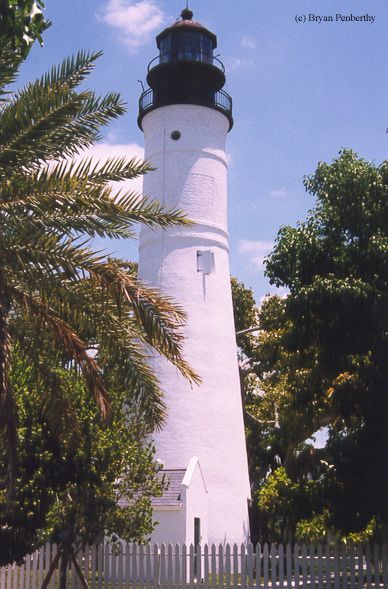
(219, 100)
(190, 56)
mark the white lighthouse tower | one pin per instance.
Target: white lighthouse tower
(185, 116)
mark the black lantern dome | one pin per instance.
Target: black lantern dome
(186, 71)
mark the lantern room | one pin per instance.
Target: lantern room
(186, 70)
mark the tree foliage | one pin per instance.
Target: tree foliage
(78, 479)
(52, 204)
(21, 22)
(321, 362)
(335, 265)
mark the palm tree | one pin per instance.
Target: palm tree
(51, 206)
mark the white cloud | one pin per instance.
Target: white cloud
(248, 42)
(279, 193)
(237, 63)
(136, 21)
(103, 151)
(256, 251)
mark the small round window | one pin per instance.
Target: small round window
(175, 135)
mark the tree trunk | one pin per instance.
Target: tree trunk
(63, 570)
(79, 572)
(51, 570)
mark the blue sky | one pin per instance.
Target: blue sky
(301, 91)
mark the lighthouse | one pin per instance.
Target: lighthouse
(185, 116)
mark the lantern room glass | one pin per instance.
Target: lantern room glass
(186, 46)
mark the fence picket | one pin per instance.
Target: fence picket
(198, 560)
(336, 563)
(28, 572)
(384, 564)
(113, 565)
(265, 566)
(169, 565)
(107, 570)
(40, 566)
(320, 566)
(222, 567)
(206, 566)
(242, 566)
(21, 576)
(120, 565)
(56, 572)
(227, 566)
(304, 565)
(281, 566)
(184, 564)
(191, 564)
(368, 567)
(141, 567)
(352, 570)
(343, 566)
(93, 550)
(213, 566)
(85, 564)
(100, 565)
(9, 577)
(156, 569)
(178, 567)
(15, 576)
(162, 565)
(235, 566)
(289, 565)
(148, 579)
(376, 566)
(360, 567)
(273, 559)
(296, 565)
(34, 568)
(250, 564)
(311, 564)
(328, 566)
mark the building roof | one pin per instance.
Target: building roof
(186, 22)
(171, 496)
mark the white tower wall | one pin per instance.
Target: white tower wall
(206, 420)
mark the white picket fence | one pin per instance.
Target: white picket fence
(128, 566)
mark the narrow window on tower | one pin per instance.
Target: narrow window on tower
(205, 262)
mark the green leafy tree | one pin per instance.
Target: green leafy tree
(278, 423)
(78, 479)
(245, 317)
(291, 478)
(319, 361)
(335, 266)
(51, 206)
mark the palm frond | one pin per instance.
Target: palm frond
(53, 129)
(116, 169)
(38, 130)
(70, 204)
(72, 344)
(71, 72)
(50, 207)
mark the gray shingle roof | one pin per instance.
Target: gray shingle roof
(171, 495)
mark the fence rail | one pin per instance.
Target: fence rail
(129, 566)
